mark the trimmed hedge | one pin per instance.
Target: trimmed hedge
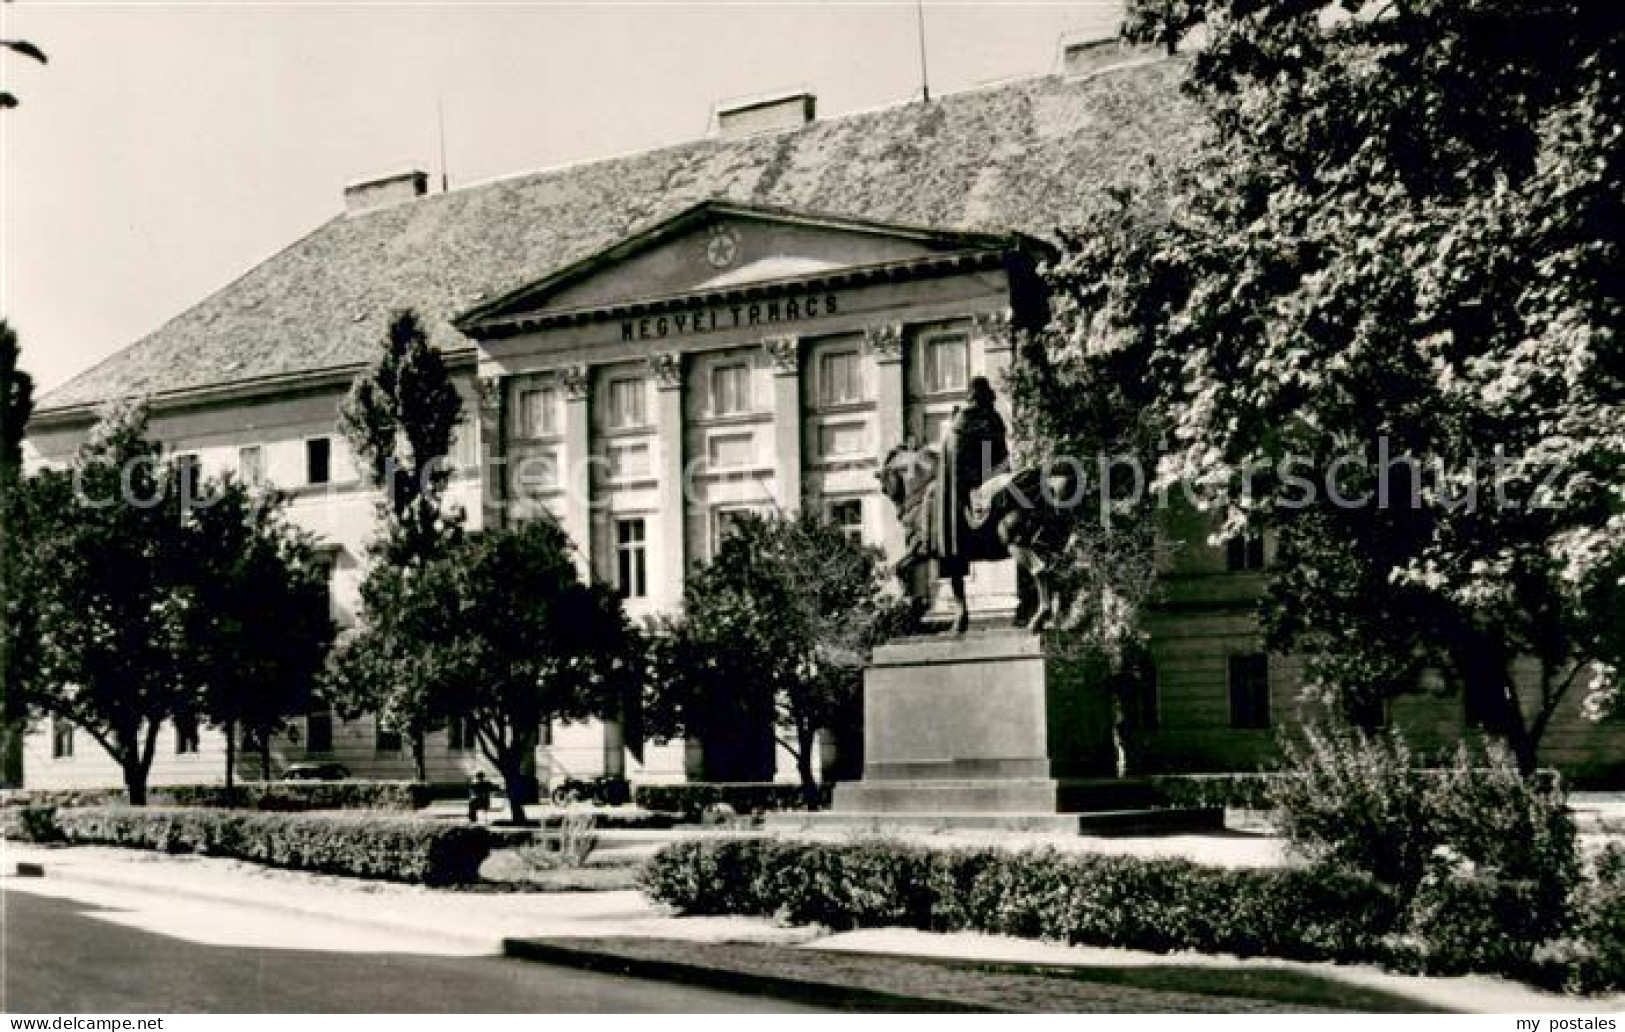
(1235, 791)
(288, 796)
(387, 848)
(746, 797)
(1159, 905)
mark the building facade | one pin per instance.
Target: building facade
(649, 346)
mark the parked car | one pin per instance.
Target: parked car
(316, 772)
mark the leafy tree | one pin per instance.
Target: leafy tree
(257, 626)
(16, 406)
(1087, 409)
(104, 565)
(775, 632)
(505, 635)
(1383, 327)
(400, 418)
(1163, 22)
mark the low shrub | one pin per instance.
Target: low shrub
(1600, 910)
(1234, 791)
(1462, 921)
(1360, 802)
(1119, 901)
(30, 824)
(289, 796)
(692, 800)
(295, 796)
(388, 848)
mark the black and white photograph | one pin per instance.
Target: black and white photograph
(881, 507)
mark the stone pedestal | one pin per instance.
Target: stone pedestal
(991, 722)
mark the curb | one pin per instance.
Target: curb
(823, 994)
(52, 873)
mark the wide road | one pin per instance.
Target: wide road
(59, 958)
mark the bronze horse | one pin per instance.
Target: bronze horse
(1021, 521)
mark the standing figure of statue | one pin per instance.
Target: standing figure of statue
(960, 504)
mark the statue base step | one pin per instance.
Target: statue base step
(1103, 823)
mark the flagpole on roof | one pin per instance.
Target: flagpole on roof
(925, 78)
(440, 110)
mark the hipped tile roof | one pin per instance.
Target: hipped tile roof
(1018, 156)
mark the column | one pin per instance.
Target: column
(493, 451)
(786, 355)
(885, 346)
(671, 529)
(577, 383)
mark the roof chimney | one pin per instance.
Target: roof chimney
(1085, 53)
(368, 194)
(766, 112)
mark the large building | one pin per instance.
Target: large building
(649, 345)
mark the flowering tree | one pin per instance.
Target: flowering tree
(1382, 326)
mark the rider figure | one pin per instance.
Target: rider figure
(973, 449)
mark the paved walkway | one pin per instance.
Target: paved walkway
(415, 918)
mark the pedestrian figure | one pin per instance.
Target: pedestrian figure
(479, 796)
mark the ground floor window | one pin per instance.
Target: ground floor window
(631, 558)
(1250, 691)
(319, 731)
(460, 735)
(186, 736)
(61, 738)
(386, 740)
(847, 513)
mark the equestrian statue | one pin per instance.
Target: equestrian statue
(959, 503)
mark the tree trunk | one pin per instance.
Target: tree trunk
(805, 741)
(419, 760)
(513, 783)
(264, 736)
(231, 754)
(1485, 667)
(135, 782)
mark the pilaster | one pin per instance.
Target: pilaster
(785, 353)
(670, 561)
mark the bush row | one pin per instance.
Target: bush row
(270, 795)
(1158, 905)
(1451, 926)
(693, 799)
(1235, 791)
(389, 848)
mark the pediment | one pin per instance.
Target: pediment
(718, 246)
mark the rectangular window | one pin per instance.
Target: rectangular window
(251, 465)
(186, 736)
(631, 559)
(319, 732)
(1244, 553)
(730, 389)
(318, 460)
(539, 412)
(61, 738)
(386, 740)
(847, 513)
(840, 378)
(460, 736)
(946, 365)
(1250, 691)
(723, 523)
(626, 404)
